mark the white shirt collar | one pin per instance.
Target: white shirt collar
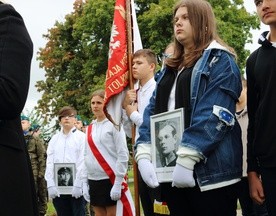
(272, 42)
(147, 85)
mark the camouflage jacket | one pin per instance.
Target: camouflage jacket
(37, 153)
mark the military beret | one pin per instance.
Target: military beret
(64, 170)
(78, 118)
(34, 127)
(23, 117)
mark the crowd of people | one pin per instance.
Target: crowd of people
(224, 156)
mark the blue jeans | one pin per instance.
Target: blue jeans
(66, 205)
(248, 207)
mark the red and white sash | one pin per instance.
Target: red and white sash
(125, 205)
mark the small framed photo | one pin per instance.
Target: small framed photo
(166, 133)
(65, 174)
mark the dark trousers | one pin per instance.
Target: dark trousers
(147, 196)
(193, 202)
(269, 184)
(66, 205)
(42, 196)
(248, 207)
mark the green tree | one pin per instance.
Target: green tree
(59, 62)
(73, 63)
(76, 54)
(234, 25)
(155, 24)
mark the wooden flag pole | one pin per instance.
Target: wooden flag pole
(131, 85)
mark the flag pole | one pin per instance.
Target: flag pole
(131, 85)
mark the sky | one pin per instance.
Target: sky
(41, 15)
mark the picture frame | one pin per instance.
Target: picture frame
(166, 133)
(64, 175)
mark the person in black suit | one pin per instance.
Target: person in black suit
(17, 191)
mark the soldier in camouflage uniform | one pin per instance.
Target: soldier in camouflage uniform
(85, 124)
(37, 153)
(78, 123)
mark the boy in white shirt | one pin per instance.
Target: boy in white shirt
(67, 146)
(143, 68)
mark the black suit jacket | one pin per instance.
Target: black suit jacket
(17, 193)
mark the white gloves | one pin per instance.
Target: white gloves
(147, 172)
(182, 177)
(116, 190)
(53, 192)
(85, 192)
(77, 192)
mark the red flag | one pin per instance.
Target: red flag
(124, 33)
(117, 76)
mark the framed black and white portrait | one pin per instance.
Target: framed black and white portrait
(166, 133)
(65, 173)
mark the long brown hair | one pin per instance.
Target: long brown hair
(203, 22)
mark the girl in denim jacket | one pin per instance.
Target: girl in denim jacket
(203, 78)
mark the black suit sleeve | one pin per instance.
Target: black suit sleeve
(16, 50)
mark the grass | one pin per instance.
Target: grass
(51, 209)
(130, 173)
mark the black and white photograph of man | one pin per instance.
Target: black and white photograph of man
(167, 142)
(65, 176)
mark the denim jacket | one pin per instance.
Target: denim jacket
(214, 133)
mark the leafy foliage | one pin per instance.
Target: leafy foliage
(74, 59)
(234, 25)
(76, 54)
